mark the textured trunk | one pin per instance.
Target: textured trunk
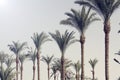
(21, 72)
(54, 76)
(93, 73)
(77, 76)
(38, 64)
(33, 72)
(107, 31)
(17, 67)
(82, 41)
(48, 72)
(63, 68)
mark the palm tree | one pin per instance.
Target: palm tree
(81, 21)
(54, 70)
(93, 63)
(105, 8)
(77, 67)
(22, 58)
(17, 47)
(38, 40)
(63, 42)
(48, 60)
(33, 56)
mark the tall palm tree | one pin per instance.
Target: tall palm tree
(33, 57)
(93, 63)
(22, 58)
(63, 41)
(38, 40)
(17, 47)
(80, 20)
(105, 8)
(77, 67)
(48, 60)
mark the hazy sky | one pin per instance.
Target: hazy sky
(19, 19)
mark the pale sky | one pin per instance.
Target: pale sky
(19, 19)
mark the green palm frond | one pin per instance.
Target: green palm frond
(22, 58)
(57, 64)
(47, 59)
(104, 7)
(32, 55)
(39, 39)
(3, 56)
(63, 40)
(9, 61)
(77, 66)
(17, 47)
(93, 63)
(79, 19)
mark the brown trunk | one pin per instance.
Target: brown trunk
(21, 72)
(38, 64)
(54, 77)
(107, 31)
(48, 72)
(17, 67)
(33, 72)
(82, 41)
(77, 76)
(62, 68)
(93, 73)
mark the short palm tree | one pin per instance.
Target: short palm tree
(33, 57)
(38, 40)
(93, 63)
(17, 47)
(22, 58)
(80, 20)
(48, 60)
(57, 65)
(77, 67)
(54, 70)
(105, 8)
(63, 41)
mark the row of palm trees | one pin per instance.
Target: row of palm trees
(79, 20)
(53, 64)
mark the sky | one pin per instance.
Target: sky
(19, 19)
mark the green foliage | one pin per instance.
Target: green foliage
(104, 7)
(63, 40)
(47, 59)
(39, 39)
(93, 63)
(80, 19)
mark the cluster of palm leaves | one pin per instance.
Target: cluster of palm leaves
(77, 19)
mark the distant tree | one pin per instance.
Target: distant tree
(77, 67)
(93, 63)
(63, 41)
(33, 56)
(48, 60)
(22, 58)
(17, 47)
(38, 40)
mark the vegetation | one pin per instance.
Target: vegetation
(62, 68)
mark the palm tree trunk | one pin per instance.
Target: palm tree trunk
(107, 31)
(34, 72)
(82, 41)
(48, 72)
(38, 64)
(93, 73)
(21, 72)
(63, 68)
(17, 67)
(54, 76)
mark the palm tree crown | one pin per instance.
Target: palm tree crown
(93, 63)
(104, 7)
(64, 40)
(79, 20)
